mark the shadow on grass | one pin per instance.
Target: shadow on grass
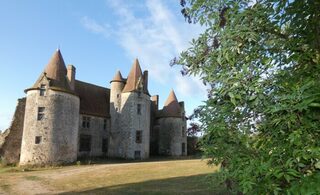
(196, 184)
(90, 161)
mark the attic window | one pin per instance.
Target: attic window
(42, 89)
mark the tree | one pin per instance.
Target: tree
(261, 61)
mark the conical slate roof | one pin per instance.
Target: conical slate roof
(171, 106)
(118, 77)
(134, 77)
(56, 73)
(56, 68)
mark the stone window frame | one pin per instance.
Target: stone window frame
(138, 136)
(139, 109)
(42, 90)
(40, 114)
(86, 120)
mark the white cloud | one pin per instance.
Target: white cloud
(94, 27)
(155, 36)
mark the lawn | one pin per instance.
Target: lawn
(155, 177)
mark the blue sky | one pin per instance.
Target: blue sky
(98, 37)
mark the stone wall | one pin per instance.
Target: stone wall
(96, 132)
(172, 136)
(11, 138)
(56, 133)
(123, 139)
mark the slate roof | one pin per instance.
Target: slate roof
(56, 73)
(171, 106)
(118, 77)
(135, 75)
(94, 100)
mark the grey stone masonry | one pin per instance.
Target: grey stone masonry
(10, 150)
(172, 136)
(50, 134)
(95, 130)
(131, 140)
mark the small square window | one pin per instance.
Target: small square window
(40, 113)
(137, 154)
(38, 139)
(138, 137)
(139, 109)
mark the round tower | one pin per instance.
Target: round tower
(50, 133)
(117, 84)
(172, 130)
(131, 138)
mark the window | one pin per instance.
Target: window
(139, 109)
(137, 154)
(38, 139)
(104, 124)
(118, 95)
(42, 90)
(86, 122)
(183, 148)
(117, 109)
(183, 132)
(40, 113)
(85, 143)
(138, 136)
(104, 145)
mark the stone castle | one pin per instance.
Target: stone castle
(63, 119)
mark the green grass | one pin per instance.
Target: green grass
(154, 177)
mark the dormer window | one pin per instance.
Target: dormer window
(42, 89)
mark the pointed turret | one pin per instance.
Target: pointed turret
(117, 77)
(56, 68)
(134, 77)
(172, 106)
(56, 73)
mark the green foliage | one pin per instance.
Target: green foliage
(261, 62)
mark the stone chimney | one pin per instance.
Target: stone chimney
(71, 74)
(145, 81)
(155, 101)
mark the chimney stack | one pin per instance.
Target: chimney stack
(155, 101)
(145, 81)
(71, 74)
